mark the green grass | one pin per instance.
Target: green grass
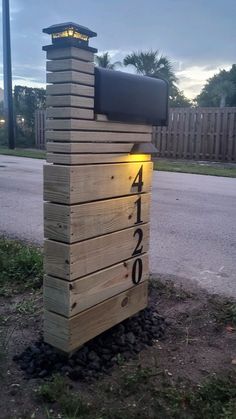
(212, 169)
(224, 311)
(26, 307)
(132, 380)
(53, 390)
(144, 394)
(21, 267)
(58, 391)
(216, 398)
(155, 395)
(21, 152)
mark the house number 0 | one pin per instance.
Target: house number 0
(137, 269)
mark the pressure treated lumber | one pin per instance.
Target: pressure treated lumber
(72, 52)
(96, 217)
(70, 298)
(70, 89)
(68, 112)
(75, 159)
(75, 148)
(70, 77)
(77, 184)
(70, 64)
(72, 261)
(74, 124)
(69, 334)
(71, 224)
(70, 100)
(93, 136)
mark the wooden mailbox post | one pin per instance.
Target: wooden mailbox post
(97, 203)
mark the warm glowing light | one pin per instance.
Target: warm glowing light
(140, 157)
(63, 34)
(70, 33)
(81, 36)
(2, 121)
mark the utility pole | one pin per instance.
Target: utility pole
(7, 75)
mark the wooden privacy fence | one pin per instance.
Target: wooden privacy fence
(193, 133)
(198, 133)
(40, 118)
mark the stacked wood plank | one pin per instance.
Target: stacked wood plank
(96, 213)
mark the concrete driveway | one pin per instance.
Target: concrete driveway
(193, 222)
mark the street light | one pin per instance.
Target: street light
(7, 75)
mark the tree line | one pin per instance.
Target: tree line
(219, 90)
(25, 100)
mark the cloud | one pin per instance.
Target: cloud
(24, 81)
(27, 82)
(112, 52)
(193, 78)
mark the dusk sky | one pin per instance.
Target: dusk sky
(199, 36)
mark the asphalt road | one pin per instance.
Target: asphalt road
(21, 202)
(193, 222)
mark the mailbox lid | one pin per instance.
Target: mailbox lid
(131, 98)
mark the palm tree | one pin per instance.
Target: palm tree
(104, 61)
(151, 64)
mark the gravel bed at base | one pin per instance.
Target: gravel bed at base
(120, 343)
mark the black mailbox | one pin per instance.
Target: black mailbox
(131, 98)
